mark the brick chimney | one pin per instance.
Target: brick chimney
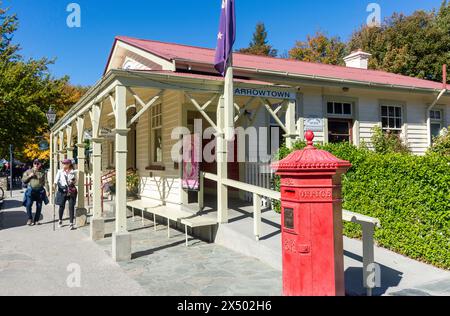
(358, 59)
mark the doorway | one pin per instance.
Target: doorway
(340, 131)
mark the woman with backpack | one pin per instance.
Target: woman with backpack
(65, 182)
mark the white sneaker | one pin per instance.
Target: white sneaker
(72, 227)
(60, 224)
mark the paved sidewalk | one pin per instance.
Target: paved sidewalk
(399, 275)
(34, 260)
(167, 267)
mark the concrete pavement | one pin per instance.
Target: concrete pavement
(167, 267)
(35, 261)
(38, 261)
(399, 275)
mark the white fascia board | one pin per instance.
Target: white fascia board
(165, 64)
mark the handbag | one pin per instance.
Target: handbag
(72, 190)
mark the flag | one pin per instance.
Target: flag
(226, 36)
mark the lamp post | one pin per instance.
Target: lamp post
(51, 116)
(51, 119)
(11, 166)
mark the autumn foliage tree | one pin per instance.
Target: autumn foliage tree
(416, 45)
(320, 49)
(27, 89)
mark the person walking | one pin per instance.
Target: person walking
(35, 180)
(65, 182)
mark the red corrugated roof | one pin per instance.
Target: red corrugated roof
(172, 51)
(201, 76)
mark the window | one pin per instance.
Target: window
(340, 131)
(392, 118)
(276, 133)
(339, 108)
(112, 154)
(436, 117)
(156, 134)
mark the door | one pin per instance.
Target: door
(233, 165)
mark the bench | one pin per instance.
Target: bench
(187, 219)
(368, 225)
(141, 206)
(199, 221)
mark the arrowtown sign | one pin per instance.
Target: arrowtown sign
(264, 93)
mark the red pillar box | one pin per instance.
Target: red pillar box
(312, 237)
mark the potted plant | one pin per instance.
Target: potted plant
(133, 181)
(110, 187)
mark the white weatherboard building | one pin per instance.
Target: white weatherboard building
(149, 88)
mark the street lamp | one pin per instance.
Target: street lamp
(51, 116)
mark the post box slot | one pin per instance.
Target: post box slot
(289, 193)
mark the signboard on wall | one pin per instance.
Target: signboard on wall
(265, 93)
(314, 124)
(44, 145)
(191, 163)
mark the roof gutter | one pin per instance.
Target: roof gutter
(340, 81)
(319, 78)
(172, 79)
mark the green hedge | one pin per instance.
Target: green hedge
(409, 194)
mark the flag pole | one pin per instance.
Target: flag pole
(226, 125)
(225, 114)
(229, 100)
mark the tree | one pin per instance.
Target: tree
(320, 49)
(32, 151)
(259, 45)
(8, 25)
(27, 89)
(416, 45)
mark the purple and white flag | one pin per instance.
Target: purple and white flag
(226, 36)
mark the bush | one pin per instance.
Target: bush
(409, 194)
(441, 144)
(388, 142)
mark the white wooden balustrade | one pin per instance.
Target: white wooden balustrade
(367, 223)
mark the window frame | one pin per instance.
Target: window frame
(395, 105)
(354, 101)
(271, 123)
(112, 153)
(153, 129)
(343, 103)
(434, 121)
(350, 123)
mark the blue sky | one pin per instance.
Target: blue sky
(82, 52)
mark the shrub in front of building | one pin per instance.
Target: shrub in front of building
(388, 142)
(409, 194)
(441, 144)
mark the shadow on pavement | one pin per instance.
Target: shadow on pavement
(148, 252)
(9, 204)
(13, 219)
(354, 278)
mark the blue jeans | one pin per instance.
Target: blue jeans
(29, 205)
